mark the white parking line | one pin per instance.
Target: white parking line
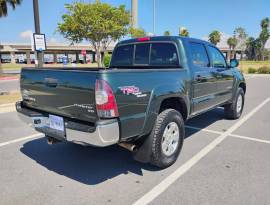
(250, 138)
(203, 129)
(231, 135)
(162, 186)
(20, 139)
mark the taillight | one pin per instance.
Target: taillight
(105, 100)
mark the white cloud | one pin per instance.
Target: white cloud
(26, 34)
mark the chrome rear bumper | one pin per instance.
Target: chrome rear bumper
(106, 132)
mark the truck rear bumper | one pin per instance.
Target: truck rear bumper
(105, 133)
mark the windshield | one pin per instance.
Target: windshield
(145, 54)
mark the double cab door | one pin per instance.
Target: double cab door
(212, 81)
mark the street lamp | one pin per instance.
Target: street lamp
(1, 47)
(134, 13)
(39, 54)
(154, 17)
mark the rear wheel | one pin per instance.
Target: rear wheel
(168, 136)
(235, 109)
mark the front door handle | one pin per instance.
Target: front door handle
(221, 69)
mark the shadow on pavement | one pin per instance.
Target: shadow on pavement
(92, 165)
(204, 120)
(88, 165)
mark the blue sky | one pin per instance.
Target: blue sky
(200, 17)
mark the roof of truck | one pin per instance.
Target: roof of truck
(160, 38)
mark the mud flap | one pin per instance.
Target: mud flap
(143, 154)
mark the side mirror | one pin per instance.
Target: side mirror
(234, 63)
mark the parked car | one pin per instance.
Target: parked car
(6, 60)
(141, 102)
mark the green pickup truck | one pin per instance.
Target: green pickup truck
(153, 85)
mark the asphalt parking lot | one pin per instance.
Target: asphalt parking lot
(222, 162)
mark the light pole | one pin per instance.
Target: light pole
(1, 47)
(134, 13)
(39, 54)
(154, 17)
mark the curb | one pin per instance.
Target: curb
(9, 92)
(9, 78)
(256, 74)
(7, 105)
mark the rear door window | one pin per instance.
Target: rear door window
(163, 54)
(199, 55)
(142, 54)
(123, 56)
(218, 60)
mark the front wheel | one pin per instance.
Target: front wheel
(168, 136)
(235, 109)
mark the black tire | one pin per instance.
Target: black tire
(230, 110)
(158, 158)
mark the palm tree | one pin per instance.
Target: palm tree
(4, 6)
(232, 43)
(241, 36)
(167, 33)
(183, 32)
(214, 37)
(264, 35)
(250, 51)
(265, 23)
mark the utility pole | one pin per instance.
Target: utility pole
(134, 13)
(1, 47)
(154, 17)
(39, 54)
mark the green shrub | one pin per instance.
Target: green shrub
(107, 60)
(252, 70)
(264, 70)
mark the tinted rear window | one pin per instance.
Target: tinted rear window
(142, 54)
(146, 54)
(123, 56)
(163, 54)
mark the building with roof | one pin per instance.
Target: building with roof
(23, 53)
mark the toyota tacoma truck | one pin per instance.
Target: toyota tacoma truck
(141, 102)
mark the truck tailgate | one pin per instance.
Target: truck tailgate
(69, 93)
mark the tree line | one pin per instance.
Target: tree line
(254, 48)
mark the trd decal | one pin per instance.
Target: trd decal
(127, 90)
